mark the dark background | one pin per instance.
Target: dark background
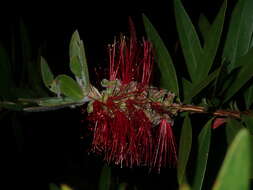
(41, 148)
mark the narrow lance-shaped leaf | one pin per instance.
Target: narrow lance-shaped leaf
(248, 120)
(235, 170)
(240, 31)
(245, 73)
(185, 187)
(184, 149)
(10, 106)
(251, 41)
(197, 88)
(65, 187)
(47, 75)
(168, 72)
(70, 87)
(248, 94)
(204, 26)
(85, 73)
(105, 178)
(188, 39)
(53, 186)
(187, 88)
(204, 139)
(232, 128)
(221, 77)
(122, 186)
(211, 43)
(78, 62)
(75, 66)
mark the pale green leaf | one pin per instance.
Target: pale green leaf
(78, 62)
(235, 170)
(47, 75)
(75, 66)
(184, 187)
(70, 87)
(248, 120)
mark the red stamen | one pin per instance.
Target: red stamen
(165, 151)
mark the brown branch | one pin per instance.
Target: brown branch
(200, 109)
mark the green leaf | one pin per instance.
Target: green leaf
(232, 128)
(105, 178)
(70, 87)
(251, 42)
(184, 149)
(211, 43)
(204, 139)
(248, 120)
(187, 87)
(240, 31)
(53, 186)
(248, 97)
(204, 26)
(65, 187)
(78, 62)
(122, 186)
(10, 106)
(53, 101)
(219, 81)
(75, 66)
(245, 73)
(163, 58)
(201, 85)
(188, 39)
(47, 75)
(235, 170)
(184, 187)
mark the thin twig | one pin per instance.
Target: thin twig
(200, 109)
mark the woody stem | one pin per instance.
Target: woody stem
(200, 109)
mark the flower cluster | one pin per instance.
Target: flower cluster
(131, 120)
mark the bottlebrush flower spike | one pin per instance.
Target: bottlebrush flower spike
(130, 117)
(165, 151)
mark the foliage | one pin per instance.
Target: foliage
(218, 68)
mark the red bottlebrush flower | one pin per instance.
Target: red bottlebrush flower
(126, 115)
(130, 61)
(165, 151)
